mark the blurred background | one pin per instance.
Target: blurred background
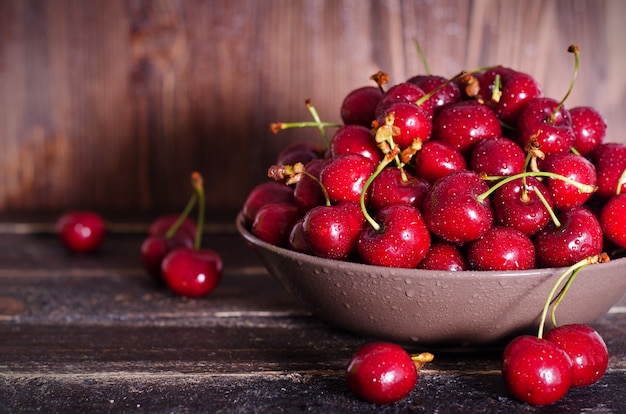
(111, 104)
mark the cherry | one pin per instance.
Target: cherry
(501, 248)
(355, 139)
(298, 152)
(463, 124)
(613, 220)
(516, 204)
(578, 236)
(383, 372)
(359, 106)
(511, 97)
(344, 176)
(81, 231)
(497, 157)
(155, 248)
(549, 123)
(390, 187)
(443, 255)
(192, 272)
(327, 232)
(414, 123)
(564, 195)
(308, 192)
(589, 128)
(401, 92)
(296, 240)
(264, 193)
(610, 162)
(161, 225)
(535, 370)
(274, 221)
(447, 94)
(402, 239)
(453, 210)
(586, 349)
(437, 159)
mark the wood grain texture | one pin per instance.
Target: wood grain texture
(111, 104)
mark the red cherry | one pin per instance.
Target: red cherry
(402, 240)
(578, 237)
(296, 238)
(81, 231)
(437, 159)
(359, 106)
(444, 255)
(586, 349)
(307, 192)
(447, 94)
(355, 139)
(389, 188)
(381, 373)
(575, 167)
(264, 193)
(344, 176)
(327, 232)
(497, 157)
(610, 162)
(453, 210)
(589, 128)
(401, 92)
(613, 220)
(414, 123)
(463, 124)
(535, 370)
(501, 248)
(192, 272)
(551, 130)
(298, 152)
(155, 248)
(274, 221)
(162, 224)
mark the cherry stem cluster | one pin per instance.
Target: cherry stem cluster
(570, 273)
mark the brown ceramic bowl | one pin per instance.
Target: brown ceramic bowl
(439, 309)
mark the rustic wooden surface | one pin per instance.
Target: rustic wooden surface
(95, 334)
(110, 104)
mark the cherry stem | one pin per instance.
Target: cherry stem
(198, 184)
(561, 294)
(324, 191)
(381, 166)
(317, 119)
(181, 218)
(545, 203)
(583, 188)
(570, 272)
(576, 51)
(422, 56)
(276, 127)
(421, 359)
(620, 182)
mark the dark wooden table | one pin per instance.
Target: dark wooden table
(96, 334)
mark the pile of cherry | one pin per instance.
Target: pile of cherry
(480, 171)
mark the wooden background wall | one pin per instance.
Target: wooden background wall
(110, 104)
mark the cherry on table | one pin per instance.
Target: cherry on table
(81, 231)
(192, 272)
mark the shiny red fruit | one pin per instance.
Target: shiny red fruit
(81, 231)
(192, 272)
(381, 373)
(536, 371)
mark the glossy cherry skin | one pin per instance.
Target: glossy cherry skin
(553, 134)
(273, 223)
(535, 370)
(264, 193)
(578, 237)
(444, 255)
(497, 157)
(355, 139)
(414, 123)
(575, 167)
(463, 124)
(401, 92)
(589, 128)
(192, 272)
(516, 205)
(517, 90)
(613, 220)
(381, 373)
(359, 106)
(447, 94)
(81, 231)
(389, 188)
(402, 241)
(155, 248)
(501, 248)
(327, 232)
(344, 176)
(452, 210)
(437, 159)
(308, 193)
(610, 162)
(586, 349)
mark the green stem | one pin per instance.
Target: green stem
(368, 217)
(543, 200)
(422, 56)
(560, 296)
(320, 125)
(324, 191)
(572, 49)
(620, 182)
(176, 225)
(199, 187)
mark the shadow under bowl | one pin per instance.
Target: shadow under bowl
(469, 310)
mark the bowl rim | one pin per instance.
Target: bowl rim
(402, 272)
